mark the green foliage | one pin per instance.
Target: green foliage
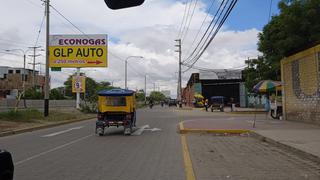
(28, 115)
(257, 70)
(33, 93)
(57, 93)
(90, 97)
(140, 95)
(294, 29)
(157, 96)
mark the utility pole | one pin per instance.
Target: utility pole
(125, 74)
(179, 76)
(154, 87)
(34, 63)
(145, 89)
(47, 88)
(78, 93)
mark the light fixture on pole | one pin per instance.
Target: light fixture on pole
(24, 52)
(125, 70)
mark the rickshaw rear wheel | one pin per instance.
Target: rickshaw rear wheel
(128, 129)
(100, 131)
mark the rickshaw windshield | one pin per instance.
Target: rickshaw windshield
(116, 101)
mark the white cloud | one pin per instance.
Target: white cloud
(148, 31)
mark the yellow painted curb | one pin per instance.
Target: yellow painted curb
(187, 159)
(246, 112)
(183, 130)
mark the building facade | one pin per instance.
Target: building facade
(301, 86)
(227, 83)
(11, 80)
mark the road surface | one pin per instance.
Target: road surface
(74, 152)
(154, 151)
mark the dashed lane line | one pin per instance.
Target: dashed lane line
(51, 150)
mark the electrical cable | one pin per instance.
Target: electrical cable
(233, 3)
(205, 34)
(202, 24)
(39, 32)
(186, 19)
(186, 33)
(182, 22)
(66, 19)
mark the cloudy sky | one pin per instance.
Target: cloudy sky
(148, 30)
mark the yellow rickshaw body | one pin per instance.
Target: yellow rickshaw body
(105, 104)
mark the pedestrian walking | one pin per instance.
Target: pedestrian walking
(206, 104)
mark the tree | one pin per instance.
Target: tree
(294, 29)
(257, 70)
(57, 93)
(33, 93)
(140, 95)
(157, 96)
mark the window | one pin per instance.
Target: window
(18, 71)
(116, 101)
(10, 71)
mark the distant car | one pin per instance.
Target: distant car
(217, 103)
(172, 102)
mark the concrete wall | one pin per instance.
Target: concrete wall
(301, 89)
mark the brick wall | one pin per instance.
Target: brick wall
(301, 78)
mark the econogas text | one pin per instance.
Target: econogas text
(79, 52)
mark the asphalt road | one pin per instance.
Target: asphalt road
(154, 151)
(74, 152)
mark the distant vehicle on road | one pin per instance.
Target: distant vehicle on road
(172, 102)
(116, 107)
(217, 103)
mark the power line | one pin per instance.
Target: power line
(39, 32)
(67, 19)
(206, 32)
(186, 33)
(270, 9)
(34, 4)
(202, 24)
(233, 3)
(186, 19)
(184, 14)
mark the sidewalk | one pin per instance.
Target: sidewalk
(300, 136)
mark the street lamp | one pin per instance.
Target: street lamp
(126, 62)
(24, 52)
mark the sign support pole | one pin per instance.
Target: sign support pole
(78, 93)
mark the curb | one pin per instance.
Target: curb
(247, 112)
(19, 131)
(309, 156)
(297, 151)
(183, 130)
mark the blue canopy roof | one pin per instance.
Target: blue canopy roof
(116, 92)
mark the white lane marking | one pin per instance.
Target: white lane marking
(61, 132)
(140, 130)
(152, 130)
(51, 150)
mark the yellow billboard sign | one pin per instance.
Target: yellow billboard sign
(78, 84)
(78, 51)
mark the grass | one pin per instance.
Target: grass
(33, 115)
(29, 115)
